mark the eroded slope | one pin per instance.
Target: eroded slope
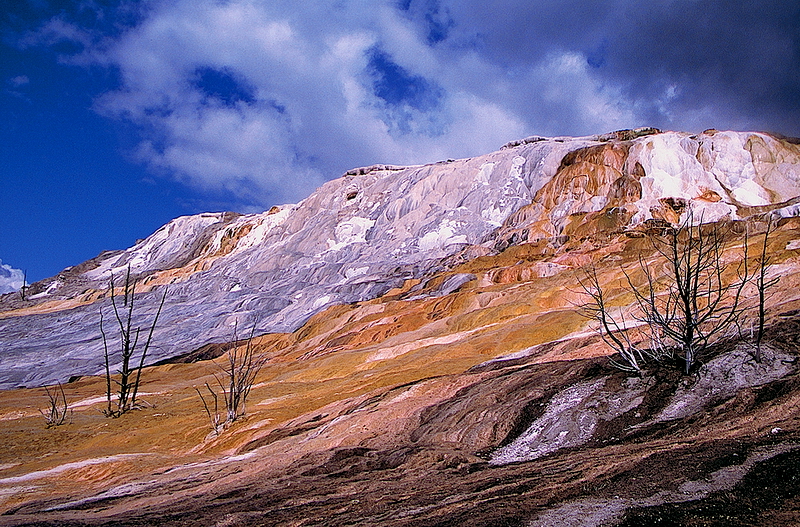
(374, 229)
(492, 404)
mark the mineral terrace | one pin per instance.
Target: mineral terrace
(428, 362)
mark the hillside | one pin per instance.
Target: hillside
(428, 363)
(377, 228)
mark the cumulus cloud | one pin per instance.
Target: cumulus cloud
(266, 100)
(273, 99)
(10, 279)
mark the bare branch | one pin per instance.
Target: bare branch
(238, 372)
(130, 370)
(699, 298)
(56, 413)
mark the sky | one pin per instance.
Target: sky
(117, 116)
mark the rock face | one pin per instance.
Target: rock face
(384, 227)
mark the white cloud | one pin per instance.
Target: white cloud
(10, 279)
(308, 107)
(57, 30)
(19, 80)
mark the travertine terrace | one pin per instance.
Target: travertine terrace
(428, 364)
(365, 233)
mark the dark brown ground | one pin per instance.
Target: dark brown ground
(420, 480)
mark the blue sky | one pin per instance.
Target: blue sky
(118, 116)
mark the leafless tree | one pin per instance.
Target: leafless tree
(697, 299)
(236, 378)
(56, 412)
(763, 284)
(130, 372)
(24, 284)
(700, 296)
(214, 417)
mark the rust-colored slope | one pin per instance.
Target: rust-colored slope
(393, 402)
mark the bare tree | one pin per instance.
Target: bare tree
(697, 299)
(215, 418)
(129, 371)
(236, 378)
(56, 412)
(24, 284)
(763, 284)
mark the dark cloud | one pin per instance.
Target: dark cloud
(739, 58)
(736, 63)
